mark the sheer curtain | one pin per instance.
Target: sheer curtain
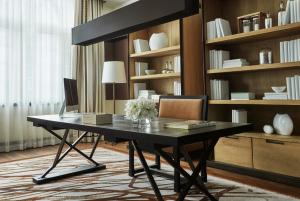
(35, 55)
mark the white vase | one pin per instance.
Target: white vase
(283, 124)
(158, 41)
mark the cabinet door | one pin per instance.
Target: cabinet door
(277, 156)
(234, 150)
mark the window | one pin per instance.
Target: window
(35, 50)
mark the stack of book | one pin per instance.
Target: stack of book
(239, 116)
(275, 96)
(290, 51)
(235, 63)
(146, 93)
(98, 119)
(177, 88)
(293, 87)
(218, 28)
(242, 96)
(141, 45)
(217, 57)
(292, 12)
(219, 89)
(137, 87)
(177, 64)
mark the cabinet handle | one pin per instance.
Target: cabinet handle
(274, 142)
(232, 137)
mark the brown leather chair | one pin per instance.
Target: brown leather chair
(179, 107)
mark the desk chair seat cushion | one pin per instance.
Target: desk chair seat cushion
(190, 109)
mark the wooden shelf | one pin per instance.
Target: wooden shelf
(255, 102)
(158, 53)
(156, 76)
(274, 32)
(264, 67)
(291, 139)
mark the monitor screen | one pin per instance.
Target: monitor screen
(71, 95)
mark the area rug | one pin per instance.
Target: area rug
(110, 184)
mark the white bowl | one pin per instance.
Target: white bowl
(279, 89)
(150, 72)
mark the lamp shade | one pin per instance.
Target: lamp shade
(114, 72)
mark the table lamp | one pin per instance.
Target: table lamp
(114, 72)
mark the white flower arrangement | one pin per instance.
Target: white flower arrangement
(140, 108)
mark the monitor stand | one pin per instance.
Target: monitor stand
(62, 113)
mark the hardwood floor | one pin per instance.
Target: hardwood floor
(122, 147)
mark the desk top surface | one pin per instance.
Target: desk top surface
(156, 131)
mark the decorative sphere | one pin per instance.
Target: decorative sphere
(268, 129)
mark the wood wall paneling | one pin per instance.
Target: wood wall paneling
(193, 51)
(117, 50)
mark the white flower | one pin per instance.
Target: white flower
(141, 108)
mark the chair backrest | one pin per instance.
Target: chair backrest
(183, 107)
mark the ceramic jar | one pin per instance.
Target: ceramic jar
(158, 41)
(283, 124)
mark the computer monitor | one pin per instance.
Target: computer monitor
(71, 102)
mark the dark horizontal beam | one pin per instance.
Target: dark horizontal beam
(131, 18)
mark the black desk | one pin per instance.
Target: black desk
(156, 136)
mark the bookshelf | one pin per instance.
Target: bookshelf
(180, 33)
(253, 78)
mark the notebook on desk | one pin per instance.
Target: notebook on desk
(190, 124)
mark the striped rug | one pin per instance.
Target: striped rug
(110, 184)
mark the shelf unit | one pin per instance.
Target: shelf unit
(156, 59)
(158, 53)
(185, 39)
(156, 76)
(253, 68)
(255, 78)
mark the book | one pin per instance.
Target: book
(224, 26)
(288, 13)
(275, 96)
(293, 88)
(140, 68)
(190, 124)
(97, 119)
(289, 87)
(242, 96)
(137, 87)
(292, 11)
(211, 30)
(297, 88)
(281, 52)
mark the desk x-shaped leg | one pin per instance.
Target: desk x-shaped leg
(60, 156)
(192, 179)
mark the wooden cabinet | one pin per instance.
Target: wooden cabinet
(235, 150)
(277, 156)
